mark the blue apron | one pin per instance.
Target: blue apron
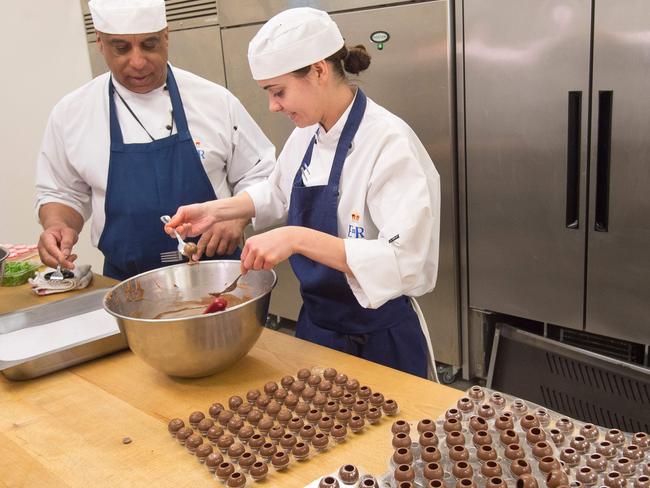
(331, 316)
(145, 181)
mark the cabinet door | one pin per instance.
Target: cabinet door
(526, 82)
(618, 272)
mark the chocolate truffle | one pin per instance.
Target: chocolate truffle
(404, 472)
(258, 471)
(613, 479)
(343, 416)
(462, 469)
(402, 455)
(641, 439)
(349, 474)
(287, 441)
(557, 437)
(319, 400)
(486, 411)
(455, 439)
(291, 400)
(195, 418)
(268, 450)
(295, 424)
(542, 449)
(452, 425)
(325, 386)
(245, 433)
(433, 471)
(504, 422)
(597, 462)
(564, 425)
(582, 445)
(174, 426)
(428, 439)
(202, 452)
(286, 381)
(244, 409)
(328, 482)
(508, 437)
(453, 413)
(556, 478)
(535, 435)
(633, 452)
(348, 399)
(224, 442)
(308, 393)
(476, 393)
(235, 450)
(314, 380)
(519, 407)
(234, 402)
(373, 415)
(325, 424)
(496, 482)
(262, 401)
(204, 425)
(303, 374)
(519, 467)
(214, 433)
(476, 423)
(339, 433)
(430, 454)
(514, 451)
(280, 460)
(320, 441)
(426, 425)
(192, 442)
(300, 451)
(276, 433)
(235, 423)
(254, 417)
(481, 438)
(526, 480)
(465, 405)
(548, 464)
(486, 453)
(336, 392)
(313, 416)
(587, 476)
(529, 421)
(252, 396)
(360, 407)
(589, 432)
(377, 399)
(183, 433)
(307, 433)
(297, 387)
(490, 469)
(390, 407)
(256, 442)
(224, 470)
(265, 425)
(458, 453)
(331, 408)
(401, 439)
(497, 400)
(236, 480)
(284, 415)
(280, 395)
(273, 408)
(213, 460)
(543, 417)
(329, 374)
(270, 388)
(214, 410)
(352, 385)
(356, 424)
(301, 409)
(224, 417)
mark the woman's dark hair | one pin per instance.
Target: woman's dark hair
(353, 60)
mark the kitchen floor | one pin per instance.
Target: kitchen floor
(289, 327)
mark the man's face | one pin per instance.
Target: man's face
(137, 61)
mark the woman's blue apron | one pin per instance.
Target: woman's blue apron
(146, 181)
(331, 316)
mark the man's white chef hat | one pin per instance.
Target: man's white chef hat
(291, 40)
(128, 16)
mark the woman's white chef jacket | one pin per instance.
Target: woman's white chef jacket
(72, 166)
(389, 207)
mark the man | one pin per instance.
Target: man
(138, 142)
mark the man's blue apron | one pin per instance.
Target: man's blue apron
(146, 181)
(331, 316)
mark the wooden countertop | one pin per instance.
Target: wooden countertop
(65, 429)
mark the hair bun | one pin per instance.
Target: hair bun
(356, 60)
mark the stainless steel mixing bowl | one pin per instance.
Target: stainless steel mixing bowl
(193, 346)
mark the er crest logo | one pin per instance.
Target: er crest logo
(355, 231)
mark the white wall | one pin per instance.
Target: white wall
(44, 56)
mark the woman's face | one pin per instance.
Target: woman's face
(298, 97)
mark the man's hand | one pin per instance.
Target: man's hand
(55, 246)
(62, 226)
(222, 238)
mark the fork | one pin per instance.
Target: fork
(228, 288)
(56, 275)
(172, 256)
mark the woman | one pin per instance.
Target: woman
(356, 189)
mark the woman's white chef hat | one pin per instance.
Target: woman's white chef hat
(128, 16)
(291, 40)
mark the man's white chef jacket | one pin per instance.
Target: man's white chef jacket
(389, 206)
(72, 166)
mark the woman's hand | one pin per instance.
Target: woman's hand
(265, 251)
(191, 220)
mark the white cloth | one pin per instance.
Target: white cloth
(389, 205)
(291, 40)
(81, 279)
(128, 16)
(72, 166)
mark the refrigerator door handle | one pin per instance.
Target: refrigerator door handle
(603, 156)
(573, 159)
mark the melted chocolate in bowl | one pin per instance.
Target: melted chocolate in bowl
(190, 308)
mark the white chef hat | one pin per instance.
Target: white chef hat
(291, 40)
(128, 16)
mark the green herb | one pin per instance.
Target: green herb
(18, 272)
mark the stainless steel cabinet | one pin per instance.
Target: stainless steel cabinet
(558, 211)
(411, 76)
(618, 273)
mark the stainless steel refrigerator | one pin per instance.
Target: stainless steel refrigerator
(556, 152)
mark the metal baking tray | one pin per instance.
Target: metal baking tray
(46, 338)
